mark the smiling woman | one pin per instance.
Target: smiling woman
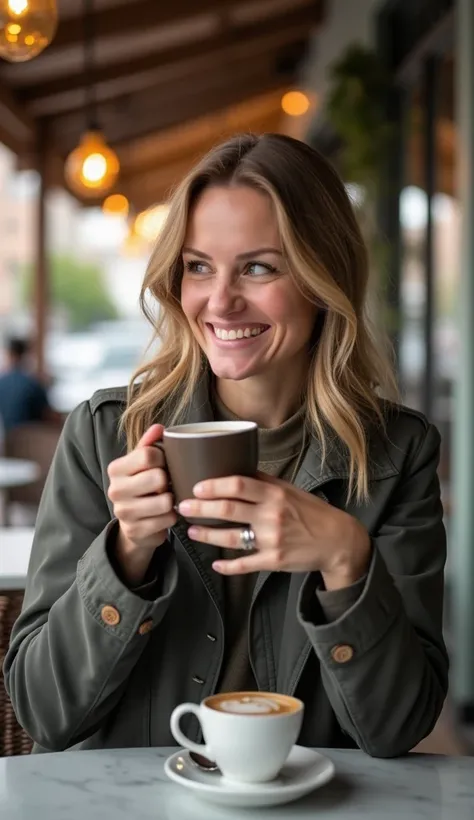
(333, 591)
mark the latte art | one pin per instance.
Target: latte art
(253, 703)
(250, 706)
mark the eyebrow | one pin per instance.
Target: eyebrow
(246, 255)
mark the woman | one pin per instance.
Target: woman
(261, 273)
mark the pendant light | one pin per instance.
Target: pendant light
(92, 168)
(26, 28)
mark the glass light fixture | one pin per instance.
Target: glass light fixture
(26, 28)
(295, 103)
(91, 169)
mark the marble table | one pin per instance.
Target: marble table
(15, 549)
(130, 784)
(15, 472)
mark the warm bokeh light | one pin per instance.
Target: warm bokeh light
(92, 169)
(116, 205)
(133, 244)
(295, 103)
(26, 28)
(149, 223)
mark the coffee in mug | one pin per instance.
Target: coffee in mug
(195, 452)
(248, 734)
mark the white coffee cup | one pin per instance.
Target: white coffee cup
(248, 734)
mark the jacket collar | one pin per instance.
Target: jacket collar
(313, 472)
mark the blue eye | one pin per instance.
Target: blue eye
(195, 266)
(260, 269)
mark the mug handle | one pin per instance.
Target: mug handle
(179, 736)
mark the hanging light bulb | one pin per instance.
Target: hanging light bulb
(295, 103)
(92, 169)
(26, 28)
(116, 205)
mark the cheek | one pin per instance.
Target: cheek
(289, 308)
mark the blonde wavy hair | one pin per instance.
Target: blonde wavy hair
(327, 257)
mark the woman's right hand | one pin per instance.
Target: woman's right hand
(143, 505)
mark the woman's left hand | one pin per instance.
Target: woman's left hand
(294, 530)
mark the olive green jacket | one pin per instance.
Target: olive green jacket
(376, 677)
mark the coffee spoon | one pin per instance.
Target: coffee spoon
(203, 763)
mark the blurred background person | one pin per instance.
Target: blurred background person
(23, 398)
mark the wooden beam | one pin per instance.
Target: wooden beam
(141, 114)
(174, 62)
(148, 189)
(164, 159)
(134, 18)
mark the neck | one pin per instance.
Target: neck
(269, 401)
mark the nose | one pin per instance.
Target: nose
(225, 297)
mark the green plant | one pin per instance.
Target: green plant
(76, 287)
(357, 111)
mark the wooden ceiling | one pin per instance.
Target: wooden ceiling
(171, 80)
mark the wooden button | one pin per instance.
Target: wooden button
(342, 653)
(145, 627)
(110, 615)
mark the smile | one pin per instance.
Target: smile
(235, 333)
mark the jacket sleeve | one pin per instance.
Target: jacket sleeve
(384, 664)
(69, 660)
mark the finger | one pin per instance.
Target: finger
(154, 481)
(258, 562)
(139, 460)
(241, 487)
(228, 539)
(138, 509)
(224, 509)
(150, 436)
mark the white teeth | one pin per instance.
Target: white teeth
(231, 335)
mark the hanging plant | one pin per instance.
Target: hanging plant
(357, 111)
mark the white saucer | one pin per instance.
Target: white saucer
(304, 771)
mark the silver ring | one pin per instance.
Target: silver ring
(247, 539)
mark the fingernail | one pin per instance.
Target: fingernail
(217, 566)
(199, 488)
(185, 506)
(193, 532)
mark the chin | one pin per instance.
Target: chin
(233, 371)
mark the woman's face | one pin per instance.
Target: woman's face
(237, 292)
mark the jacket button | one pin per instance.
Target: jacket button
(145, 627)
(110, 615)
(342, 653)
